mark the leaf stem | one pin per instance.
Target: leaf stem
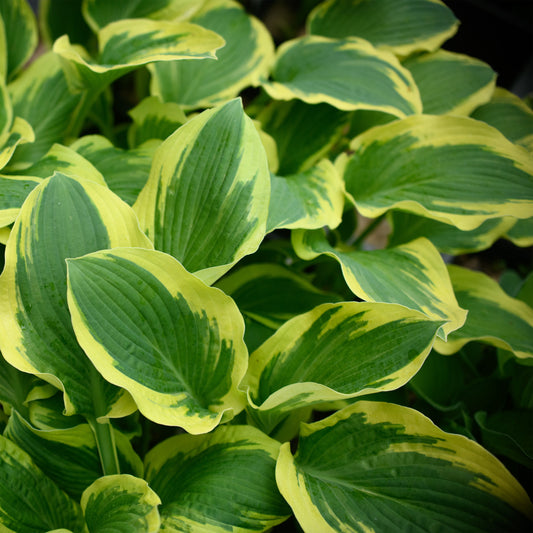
(368, 230)
(105, 441)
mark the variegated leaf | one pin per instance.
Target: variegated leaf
(451, 83)
(60, 17)
(174, 343)
(493, 316)
(243, 61)
(121, 504)
(508, 113)
(453, 169)
(36, 334)
(521, 233)
(13, 192)
(29, 501)
(303, 133)
(69, 456)
(21, 34)
(445, 237)
(153, 119)
(128, 44)
(226, 481)
(206, 201)
(399, 26)
(338, 351)
(308, 200)
(382, 467)
(348, 74)
(100, 13)
(125, 171)
(413, 275)
(41, 96)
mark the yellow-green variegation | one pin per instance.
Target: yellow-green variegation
(493, 316)
(173, 342)
(451, 83)
(226, 481)
(36, 334)
(348, 74)
(338, 351)
(382, 467)
(206, 200)
(399, 26)
(413, 275)
(453, 169)
(120, 503)
(244, 60)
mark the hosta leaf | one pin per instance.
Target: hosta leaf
(6, 109)
(272, 294)
(308, 200)
(521, 233)
(400, 26)
(153, 119)
(451, 83)
(243, 61)
(19, 134)
(508, 113)
(226, 481)
(303, 133)
(68, 456)
(453, 169)
(174, 343)
(382, 467)
(338, 351)
(41, 96)
(60, 17)
(21, 35)
(446, 238)
(36, 334)
(127, 44)
(125, 171)
(413, 275)
(100, 13)
(493, 317)
(122, 504)
(206, 200)
(13, 192)
(348, 74)
(29, 501)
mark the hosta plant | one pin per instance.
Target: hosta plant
(198, 330)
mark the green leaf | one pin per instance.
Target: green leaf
(68, 456)
(243, 61)
(122, 504)
(303, 133)
(309, 200)
(13, 192)
(153, 119)
(272, 294)
(226, 481)
(399, 26)
(348, 74)
(126, 171)
(413, 275)
(452, 169)
(493, 317)
(206, 201)
(508, 113)
(100, 13)
(174, 343)
(21, 34)
(521, 233)
(382, 467)
(445, 237)
(36, 334)
(338, 351)
(29, 501)
(41, 96)
(451, 83)
(128, 44)
(60, 17)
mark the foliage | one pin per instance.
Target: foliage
(198, 330)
